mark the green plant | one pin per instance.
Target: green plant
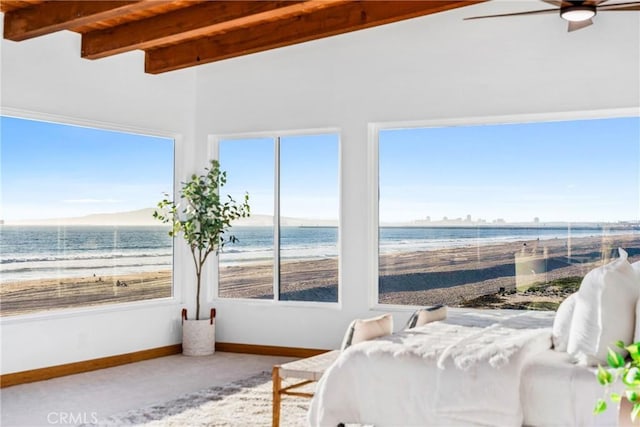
(628, 371)
(205, 218)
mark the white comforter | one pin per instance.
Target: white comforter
(460, 372)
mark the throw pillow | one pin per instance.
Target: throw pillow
(562, 323)
(604, 311)
(426, 315)
(636, 268)
(366, 329)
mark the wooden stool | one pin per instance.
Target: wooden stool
(309, 370)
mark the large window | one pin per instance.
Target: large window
(77, 227)
(288, 248)
(504, 216)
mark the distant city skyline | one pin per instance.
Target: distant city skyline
(143, 217)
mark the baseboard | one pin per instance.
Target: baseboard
(48, 373)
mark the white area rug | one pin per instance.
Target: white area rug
(243, 403)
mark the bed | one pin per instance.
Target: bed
(474, 368)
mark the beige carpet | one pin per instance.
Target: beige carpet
(242, 403)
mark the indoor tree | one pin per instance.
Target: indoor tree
(203, 217)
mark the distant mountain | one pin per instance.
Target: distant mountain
(140, 217)
(144, 217)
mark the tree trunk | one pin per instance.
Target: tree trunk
(198, 274)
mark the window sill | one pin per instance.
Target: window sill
(271, 302)
(90, 310)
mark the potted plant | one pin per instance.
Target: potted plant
(628, 371)
(203, 218)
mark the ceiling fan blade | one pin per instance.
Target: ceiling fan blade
(566, 3)
(533, 12)
(634, 5)
(574, 26)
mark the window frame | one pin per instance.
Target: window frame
(177, 296)
(373, 140)
(212, 269)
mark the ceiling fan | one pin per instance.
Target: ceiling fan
(578, 13)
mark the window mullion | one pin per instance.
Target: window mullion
(276, 222)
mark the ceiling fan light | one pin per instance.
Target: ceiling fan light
(578, 13)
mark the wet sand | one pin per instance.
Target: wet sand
(452, 276)
(48, 294)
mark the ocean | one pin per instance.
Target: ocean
(38, 252)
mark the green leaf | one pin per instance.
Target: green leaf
(615, 359)
(631, 377)
(604, 376)
(634, 351)
(634, 412)
(615, 397)
(600, 407)
(632, 396)
(620, 344)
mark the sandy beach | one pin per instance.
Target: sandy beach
(483, 276)
(458, 275)
(454, 276)
(47, 294)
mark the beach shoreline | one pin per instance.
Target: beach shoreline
(455, 276)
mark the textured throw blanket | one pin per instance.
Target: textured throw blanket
(463, 371)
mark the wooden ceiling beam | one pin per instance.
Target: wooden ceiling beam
(45, 18)
(341, 18)
(188, 23)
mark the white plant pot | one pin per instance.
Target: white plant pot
(198, 337)
(624, 414)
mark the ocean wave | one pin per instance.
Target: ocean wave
(18, 264)
(83, 267)
(298, 252)
(53, 273)
(79, 257)
(396, 245)
(87, 267)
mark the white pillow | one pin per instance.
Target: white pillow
(562, 323)
(604, 312)
(636, 268)
(367, 329)
(426, 315)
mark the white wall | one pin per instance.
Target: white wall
(435, 68)
(45, 78)
(432, 68)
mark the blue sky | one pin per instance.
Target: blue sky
(576, 171)
(558, 171)
(308, 174)
(59, 171)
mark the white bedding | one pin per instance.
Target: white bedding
(557, 392)
(463, 371)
